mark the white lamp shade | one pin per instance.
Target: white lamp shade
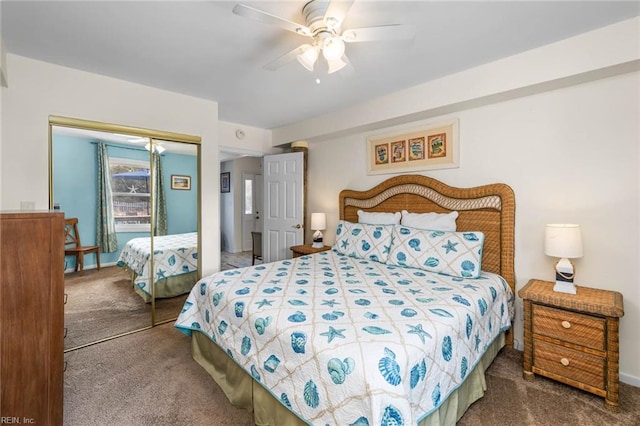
(318, 221)
(333, 48)
(309, 57)
(563, 240)
(335, 65)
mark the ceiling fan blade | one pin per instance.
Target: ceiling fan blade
(268, 18)
(337, 9)
(382, 33)
(286, 58)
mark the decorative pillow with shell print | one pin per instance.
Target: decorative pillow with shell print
(451, 253)
(363, 241)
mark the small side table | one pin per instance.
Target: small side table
(307, 249)
(573, 338)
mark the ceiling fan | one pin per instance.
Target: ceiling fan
(323, 25)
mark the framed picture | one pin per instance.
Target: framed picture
(398, 151)
(427, 148)
(180, 182)
(225, 182)
(382, 153)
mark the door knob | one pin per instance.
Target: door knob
(298, 226)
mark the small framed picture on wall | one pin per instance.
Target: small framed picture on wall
(225, 182)
(180, 182)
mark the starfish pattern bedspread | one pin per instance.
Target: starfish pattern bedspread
(172, 255)
(340, 340)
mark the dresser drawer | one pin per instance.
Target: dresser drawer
(569, 326)
(569, 363)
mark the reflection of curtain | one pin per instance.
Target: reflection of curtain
(160, 201)
(106, 229)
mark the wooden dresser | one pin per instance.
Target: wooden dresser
(573, 338)
(31, 317)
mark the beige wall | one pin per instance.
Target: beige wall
(571, 155)
(38, 89)
(232, 202)
(559, 123)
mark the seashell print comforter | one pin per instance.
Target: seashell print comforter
(173, 255)
(340, 340)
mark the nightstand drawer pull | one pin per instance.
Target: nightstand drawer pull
(564, 361)
(566, 324)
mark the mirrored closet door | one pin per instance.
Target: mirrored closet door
(175, 231)
(118, 186)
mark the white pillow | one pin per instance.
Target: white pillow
(374, 218)
(430, 221)
(363, 240)
(451, 253)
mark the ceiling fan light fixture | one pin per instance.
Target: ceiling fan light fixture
(159, 149)
(335, 65)
(309, 57)
(333, 48)
(303, 31)
(331, 23)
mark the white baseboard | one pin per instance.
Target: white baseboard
(102, 265)
(630, 380)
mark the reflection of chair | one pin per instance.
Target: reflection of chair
(73, 247)
(256, 239)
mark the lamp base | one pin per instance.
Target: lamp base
(317, 240)
(564, 287)
(564, 277)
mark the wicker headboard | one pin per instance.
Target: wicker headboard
(488, 208)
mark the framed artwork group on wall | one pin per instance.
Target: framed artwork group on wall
(428, 148)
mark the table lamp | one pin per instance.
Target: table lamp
(564, 241)
(318, 223)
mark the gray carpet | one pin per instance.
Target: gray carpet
(236, 260)
(149, 378)
(101, 304)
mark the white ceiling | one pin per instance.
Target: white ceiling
(202, 49)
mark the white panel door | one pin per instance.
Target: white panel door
(283, 205)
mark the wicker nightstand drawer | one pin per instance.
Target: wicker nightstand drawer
(573, 365)
(568, 326)
(573, 338)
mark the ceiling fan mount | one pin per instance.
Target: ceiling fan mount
(323, 24)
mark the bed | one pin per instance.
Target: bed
(336, 338)
(175, 262)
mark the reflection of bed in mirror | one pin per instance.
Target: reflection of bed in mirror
(343, 337)
(175, 260)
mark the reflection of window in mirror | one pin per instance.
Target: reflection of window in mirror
(248, 196)
(130, 194)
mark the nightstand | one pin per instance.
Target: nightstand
(573, 338)
(307, 249)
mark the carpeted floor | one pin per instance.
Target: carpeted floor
(235, 260)
(101, 304)
(149, 378)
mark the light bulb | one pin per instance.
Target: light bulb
(308, 57)
(335, 65)
(333, 48)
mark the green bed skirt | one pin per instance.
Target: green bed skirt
(242, 391)
(170, 287)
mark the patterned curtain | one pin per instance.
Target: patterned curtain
(160, 201)
(106, 229)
